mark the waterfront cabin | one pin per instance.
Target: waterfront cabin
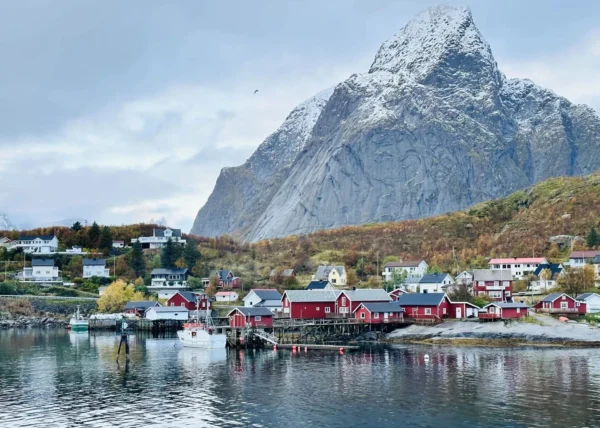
(95, 267)
(504, 311)
(495, 284)
(591, 301)
(412, 269)
(250, 317)
(139, 308)
(518, 267)
(394, 294)
(379, 313)
(227, 296)
(190, 300)
(560, 303)
(434, 282)
(268, 298)
(433, 306)
(167, 313)
(320, 285)
(305, 304)
(347, 301)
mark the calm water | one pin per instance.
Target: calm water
(55, 378)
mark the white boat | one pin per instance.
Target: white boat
(78, 322)
(201, 335)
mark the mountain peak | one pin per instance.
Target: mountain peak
(427, 39)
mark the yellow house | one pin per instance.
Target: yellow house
(336, 275)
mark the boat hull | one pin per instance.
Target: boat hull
(201, 339)
(78, 326)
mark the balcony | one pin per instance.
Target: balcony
(484, 316)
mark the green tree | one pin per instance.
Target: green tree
(593, 238)
(105, 241)
(191, 255)
(168, 255)
(94, 235)
(195, 283)
(76, 226)
(136, 262)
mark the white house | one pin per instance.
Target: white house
(263, 298)
(42, 244)
(74, 250)
(411, 283)
(167, 282)
(160, 237)
(578, 259)
(227, 296)
(592, 301)
(435, 282)
(118, 244)
(518, 267)
(465, 277)
(542, 285)
(5, 242)
(179, 313)
(334, 274)
(415, 268)
(41, 270)
(95, 267)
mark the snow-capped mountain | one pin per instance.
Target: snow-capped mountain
(432, 127)
(5, 223)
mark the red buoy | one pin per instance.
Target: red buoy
(342, 351)
(306, 349)
(274, 347)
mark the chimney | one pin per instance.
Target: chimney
(353, 288)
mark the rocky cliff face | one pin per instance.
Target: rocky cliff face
(432, 127)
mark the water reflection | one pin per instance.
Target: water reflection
(56, 378)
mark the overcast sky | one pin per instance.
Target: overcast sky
(125, 111)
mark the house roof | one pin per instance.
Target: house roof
(323, 271)
(163, 271)
(252, 312)
(188, 295)
(226, 293)
(552, 297)
(586, 296)
(589, 254)
(518, 260)
(224, 274)
(410, 263)
(420, 299)
(161, 232)
(433, 278)
(144, 304)
(31, 238)
(507, 305)
(266, 294)
(491, 275)
(412, 280)
(42, 262)
(317, 285)
(555, 269)
(94, 262)
(401, 290)
(167, 309)
(311, 295)
(268, 304)
(368, 294)
(381, 307)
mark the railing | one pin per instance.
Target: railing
(558, 310)
(337, 316)
(489, 316)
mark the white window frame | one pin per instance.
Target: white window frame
(344, 301)
(257, 318)
(427, 311)
(327, 309)
(376, 315)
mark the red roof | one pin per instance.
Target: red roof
(518, 260)
(584, 254)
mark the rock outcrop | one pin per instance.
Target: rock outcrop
(432, 127)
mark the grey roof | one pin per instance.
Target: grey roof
(412, 280)
(31, 238)
(224, 274)
(317, 285)
(168, 308)
(368, 294)
(433, 278)
(411, 263)
(555, 269)
(161, 232)
(144, 304)
(586, 296)
(252, 312)
(269, 304)
(312, 295)
(323, 271)
(507, 305)
(382, 307)
(267, 294)
(42, 262)
(551, 297)
(94, 262)
(420, 299)
(162, 271)
(597, 260)
(188, 295)
(491, 275)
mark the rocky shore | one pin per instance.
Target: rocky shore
(498, 334)
(34, 321)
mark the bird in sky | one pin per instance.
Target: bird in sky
(255, 92)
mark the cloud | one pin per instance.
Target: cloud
(572, 73)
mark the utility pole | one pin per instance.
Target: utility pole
(378, 267)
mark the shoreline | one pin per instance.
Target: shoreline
(20, 322)
(487, 342)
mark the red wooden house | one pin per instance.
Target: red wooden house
(309, 304)
(435, 306)
(495, 284)
(250, 317)
(560, 303)
(379, 313)
(348, 301)
(394, 294)
(190, 300)
(226, 278)
(504, 311)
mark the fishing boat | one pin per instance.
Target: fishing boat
(201, 335)
(78, 322)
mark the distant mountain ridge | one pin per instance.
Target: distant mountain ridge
(432, 127)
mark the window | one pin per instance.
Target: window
(183, 304)
(444, 311)
(362, 315)
(427, 311)
(343, 301)
(327, 310)
(564, 305)
(564, 297)
(376, 315)
(318, 308)
(172, 304)
(257, 318)
(518, 310)
(577, 304)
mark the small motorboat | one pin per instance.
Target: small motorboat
(78, 322)
(201, 335)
